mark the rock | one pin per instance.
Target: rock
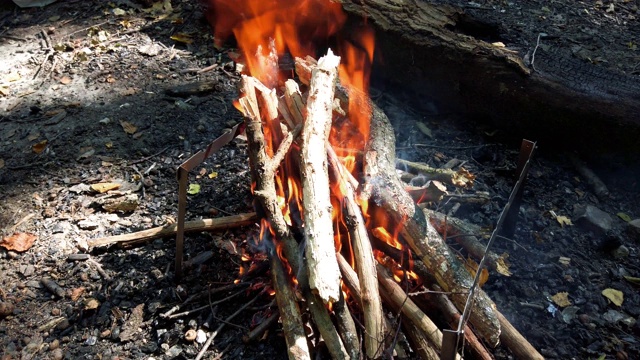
(6, 309)
(201, 336)
(621, 252)
(87, 224)
(633, 229)
(173, 351)
(593, 218)
(57, 354)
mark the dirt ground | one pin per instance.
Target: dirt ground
(90, 93)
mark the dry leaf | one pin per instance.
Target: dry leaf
(128, 127)
(561, 299)
(472, 267)
(12, 77)
(91, 304)
(563, 220)
(1, 163)
(38, 148)
(424, 128)
(616, 296)
(502, 265)
(182, 38)
(213, 175)
(104, 187)
(624, 216)
(633, 280)
(76, 293)
(564, 261)
(65, 80)
(18, 242)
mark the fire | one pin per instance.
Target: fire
(268, 30)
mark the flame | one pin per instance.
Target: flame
(294, 25)
(269, 30)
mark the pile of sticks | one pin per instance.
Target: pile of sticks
(293, 122)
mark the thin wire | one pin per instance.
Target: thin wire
(467, 307)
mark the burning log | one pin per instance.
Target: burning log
(384, 187)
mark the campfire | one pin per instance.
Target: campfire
(347, 241)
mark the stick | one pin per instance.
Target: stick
(206, 345)
(399, 301)
(364, 261)
(294, 335)
(324, 275)
(460, 178)
(259, 330)
(216, 224)
(263, 173)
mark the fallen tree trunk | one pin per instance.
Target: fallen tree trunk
(425, 46)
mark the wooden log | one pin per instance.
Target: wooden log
(419, 341)
(324, 274)
(465, 234)
(452, 316)
(263, 173)
(347, 328)
(461, 177)
(364, 260)
(215, 224)
(400, 302)
(293, 328)
(426, 49)
(384, 189)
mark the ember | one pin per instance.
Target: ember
(322, 157)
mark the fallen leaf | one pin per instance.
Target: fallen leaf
(472, 267)
(91, 304)
(193, 189)
(561, 299)
(1, 163)
(563, 220)
(65, 80)
(633, 280)
(182, 38)
(109, 145)
(38, 148)
(202, 171)
(12, 77)
(564, 261)
(104, 187)
(76, 293)
(624, 216)
(213, 175)
(502, 265)
(616, 296)
(19, 242)
(128, 127)
(424, 128)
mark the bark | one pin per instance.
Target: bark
(425, 48)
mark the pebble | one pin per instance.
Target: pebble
(6, 309)
(201, 336)
(633, 228)
(621, 252)
(57, 354)
(593, 218)
(55, 344)
(56, 312)
(88, 224)
(174, 351)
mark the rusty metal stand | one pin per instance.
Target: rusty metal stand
(183, 177)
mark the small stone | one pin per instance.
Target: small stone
(174, 351)
(201, 336)
(593, 218)
(633, 228)
(12, 255)
(57, 354)
(621, 252)
(6, 309)
(157, 274)
(56, 312)
(105, 333)
(64, 324)
(55, 344)
(87, 224)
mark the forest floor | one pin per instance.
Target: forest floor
(90, 94)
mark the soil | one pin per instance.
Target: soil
(86, 98)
